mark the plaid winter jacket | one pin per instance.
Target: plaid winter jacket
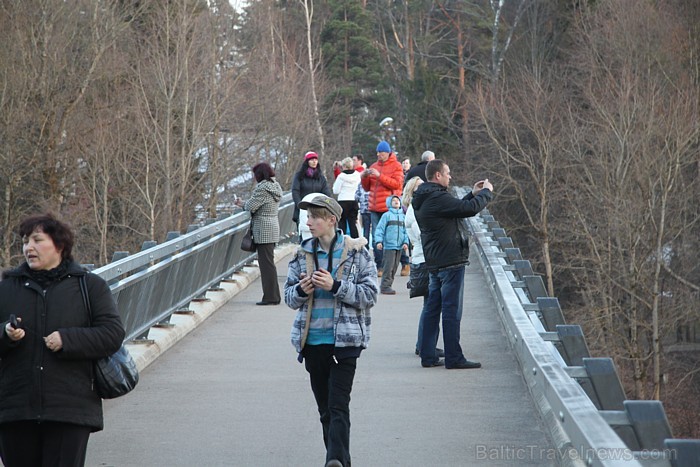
(355, 297)
(362, 198)
(263, 206)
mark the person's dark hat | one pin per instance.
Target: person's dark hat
(323, 201)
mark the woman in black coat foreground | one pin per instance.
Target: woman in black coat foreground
(48, 406)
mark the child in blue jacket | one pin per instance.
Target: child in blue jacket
(391, 237)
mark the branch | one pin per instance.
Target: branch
(685, 282)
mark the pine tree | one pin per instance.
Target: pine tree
(360, 93)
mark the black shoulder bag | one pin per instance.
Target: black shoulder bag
(418, 281)
(117, 374)
(247, 243)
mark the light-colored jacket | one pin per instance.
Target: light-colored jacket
(355, 297)
(263, 206)
(414, 235)
(345, 185)
(391, 228)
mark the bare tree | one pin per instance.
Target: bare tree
(502, 31)
(308, 6)
(275, 110)
(52, 56)
(174, 108)
(525, 122)
(642, 114)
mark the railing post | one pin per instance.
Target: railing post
(606, 383)
(535, 287)
(522, 268)
(505, 243)
(148, 244)
(606, 393)
(513, 255)
(649, 422)
(683, 452)
(550, 310)
(573, 344)
(171, 235)
(119, 255)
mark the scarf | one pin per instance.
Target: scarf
(44, 277)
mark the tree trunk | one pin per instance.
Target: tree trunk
(308, 16)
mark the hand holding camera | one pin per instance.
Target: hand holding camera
(480, 185)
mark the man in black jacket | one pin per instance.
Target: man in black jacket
(445, 241)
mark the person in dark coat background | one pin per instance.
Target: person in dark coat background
(48, 406)
(419, 170)
(308, 179)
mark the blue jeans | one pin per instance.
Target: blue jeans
(421, 320)
(378, 254)
(366, 224)
(445, 295)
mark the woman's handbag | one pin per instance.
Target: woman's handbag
(247, 244)
(418, 280)
(117, 374)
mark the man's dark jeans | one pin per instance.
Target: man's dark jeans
(331, 384)
(378, 255)
(445, 295)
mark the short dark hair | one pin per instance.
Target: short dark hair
(433, 167)
(60, 233)
(263, 171)
(359, 157)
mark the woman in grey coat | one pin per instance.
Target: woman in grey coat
(263, 206)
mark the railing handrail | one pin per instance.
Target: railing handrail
(189, 265)
(583, 434)
(136, 261)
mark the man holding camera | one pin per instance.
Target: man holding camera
(383, 179)
(445, 241)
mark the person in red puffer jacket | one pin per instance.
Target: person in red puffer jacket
(383, 179)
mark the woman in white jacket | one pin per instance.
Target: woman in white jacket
(417, 258)
(344, 187)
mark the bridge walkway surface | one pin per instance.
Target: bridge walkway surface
(231, 392)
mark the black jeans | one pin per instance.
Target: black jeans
(331, 383)
(348, 219)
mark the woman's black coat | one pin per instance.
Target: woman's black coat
(302, 185)
(41, 385)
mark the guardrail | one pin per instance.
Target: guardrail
(160, 280)
(580, 398)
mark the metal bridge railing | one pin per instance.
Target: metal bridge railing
(580, 398)
(151, 285)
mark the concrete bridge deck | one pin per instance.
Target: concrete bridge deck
(231, 393)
